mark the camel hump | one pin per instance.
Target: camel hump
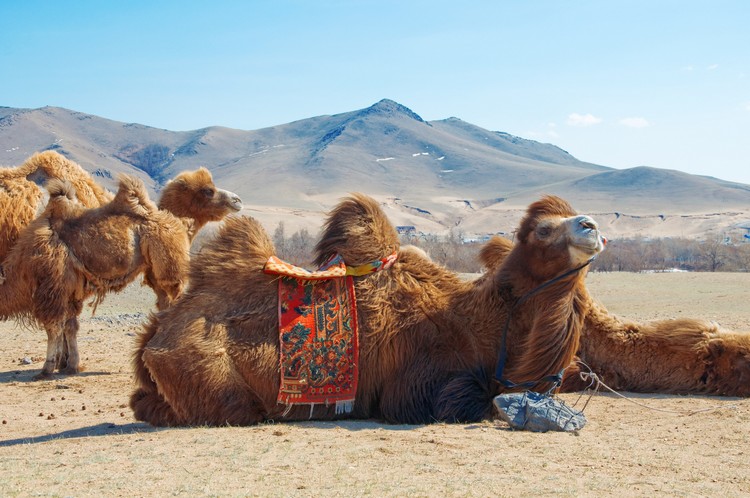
(493, 252)
(238, 252)
(358, 230)
(58, 188)
(132, 197)
(62, 203)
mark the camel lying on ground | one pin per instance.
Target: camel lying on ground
(681, 356)
(429, 342)
(71, 253)
(21, 198)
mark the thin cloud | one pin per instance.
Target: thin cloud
(712, 67)
(635, 122)
(576, 119)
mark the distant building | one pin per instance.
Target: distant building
(406, 230)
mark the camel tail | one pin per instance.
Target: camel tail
(358, 230)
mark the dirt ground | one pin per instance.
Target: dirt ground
(75, 436)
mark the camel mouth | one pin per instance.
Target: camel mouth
(234, 201)
(586, 236)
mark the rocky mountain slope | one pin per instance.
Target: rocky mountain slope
(436, 175)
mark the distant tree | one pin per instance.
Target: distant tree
(712, 253)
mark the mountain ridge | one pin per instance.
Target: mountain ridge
(466, 177)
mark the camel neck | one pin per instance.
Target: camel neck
(554, 378)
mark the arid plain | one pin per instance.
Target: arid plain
(75, 436)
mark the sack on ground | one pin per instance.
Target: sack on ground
(532, 411)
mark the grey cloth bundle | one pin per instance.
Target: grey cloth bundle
(532, 411)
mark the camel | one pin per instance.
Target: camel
(21, 199)
(71, 253)
(429, 341)
(679, 356)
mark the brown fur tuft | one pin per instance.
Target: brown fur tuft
(358, 230)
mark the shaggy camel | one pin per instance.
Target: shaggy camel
(428, 341)
(682, 356)
(71, 252)
(21, 199)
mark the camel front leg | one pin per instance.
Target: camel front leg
(166, 290)
(54, 349)
(70, 343)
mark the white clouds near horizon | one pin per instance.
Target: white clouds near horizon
(635, 122)
(575, 119)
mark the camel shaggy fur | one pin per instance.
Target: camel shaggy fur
(21, 198)
(428, 341)
(681, 356)
(71, 253)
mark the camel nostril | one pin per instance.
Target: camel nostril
(589, 224)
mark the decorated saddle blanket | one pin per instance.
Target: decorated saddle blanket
(318, 337)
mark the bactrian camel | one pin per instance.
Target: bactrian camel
(71, 253)
(681, 356)
(429, 341)
(22, 199)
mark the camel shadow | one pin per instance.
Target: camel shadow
(105, 429)
(352, 425)
(28, 376)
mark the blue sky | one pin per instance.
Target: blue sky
(620, 83)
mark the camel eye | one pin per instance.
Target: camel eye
(207, 192)
(543, 231)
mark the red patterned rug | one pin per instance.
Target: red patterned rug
(318, 338)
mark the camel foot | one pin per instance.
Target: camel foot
(152, 408)
(71, 370)
(43, 376)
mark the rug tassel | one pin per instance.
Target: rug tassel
(344, 406)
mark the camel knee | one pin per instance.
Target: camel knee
(151, 407)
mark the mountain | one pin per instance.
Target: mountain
(435, 175)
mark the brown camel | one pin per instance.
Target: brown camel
(428, 343)
(71, 252)
(21, 199)
(682, 356)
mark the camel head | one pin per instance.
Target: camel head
(553, 245)
(727, 360)
(193, 194)
(553, 238)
